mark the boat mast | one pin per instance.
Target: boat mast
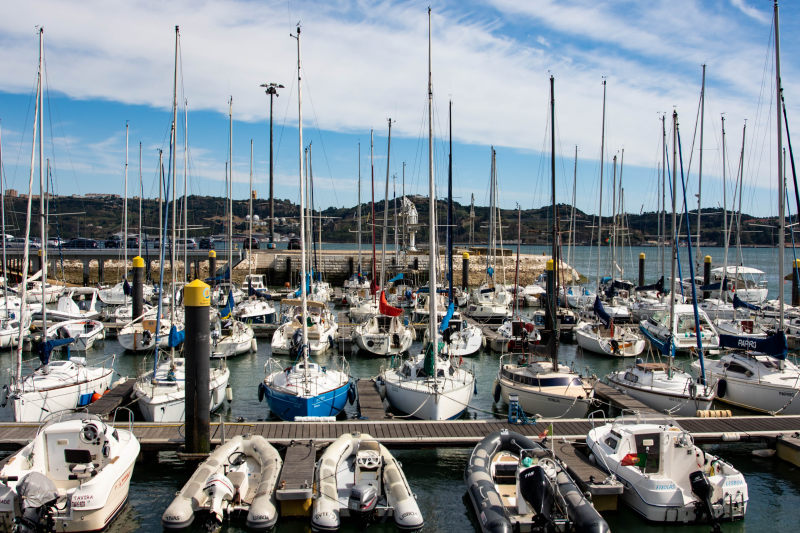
(141, 193)
(230, 193)
(125, 210)
(26, 251)
(303, 294)
(554, 296)
(699, 259)
(42, 221)
(781, 185)
(386, 207)
(673, 237)
(396, 236)
(173, 139)
(403, 212)
(450, 202)
(724, 214)
(433, 252)
(372, 216)
(571, 252)
(250, 229)
(359, 210)
(662, 216)
(600, 196)
(185, 187)
(3, 222)
(491, 251)
(613, 232)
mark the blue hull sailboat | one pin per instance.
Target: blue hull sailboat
(305, 388)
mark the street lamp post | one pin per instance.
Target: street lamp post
(272, 90)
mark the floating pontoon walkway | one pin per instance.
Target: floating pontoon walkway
(420, 434)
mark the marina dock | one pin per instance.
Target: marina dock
(426, 434)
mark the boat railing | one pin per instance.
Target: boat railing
(272, 366)
(592, 417)
(130, 417)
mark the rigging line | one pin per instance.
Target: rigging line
(321, 140)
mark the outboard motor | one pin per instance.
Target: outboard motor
(363, 502)
(701, 486)
(218, 489)
(535, 488)
(37, 495)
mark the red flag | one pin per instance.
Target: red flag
(387, 309)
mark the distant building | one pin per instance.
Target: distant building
(11, 193)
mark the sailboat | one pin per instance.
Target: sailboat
(429, 385)
(385, 333)
(461, 338)
(54, 385)
(490, 301)
(253, 310)
(161, 392)
(661, 385)
(229, 336)
(606, 338)
(546, 387)
(757, 374)
(305, 388)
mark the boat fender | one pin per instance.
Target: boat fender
(253, 345)
(692, 390)
(496, 392)
(722, 388)
(579, 508)
(351, 394)
(331, 343)
(260, 392)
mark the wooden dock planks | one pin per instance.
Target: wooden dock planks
(419, 433)
(120, 395)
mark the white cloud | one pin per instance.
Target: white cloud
(751, 12)
(364, 61)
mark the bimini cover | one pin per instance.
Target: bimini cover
(36, 490)
(774, 345)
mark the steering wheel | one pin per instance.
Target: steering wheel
(369, 459)
(89, 432)
(237, 458)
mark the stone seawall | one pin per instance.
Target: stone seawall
(283, 266)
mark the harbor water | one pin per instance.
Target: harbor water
(436, 475)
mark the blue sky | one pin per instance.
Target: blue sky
(109, 62)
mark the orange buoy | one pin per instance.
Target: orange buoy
(96, 396)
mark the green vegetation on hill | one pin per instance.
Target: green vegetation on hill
(99, 217)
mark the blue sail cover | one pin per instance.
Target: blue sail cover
(176, 337)
(774, 345)
(217, 279)
(299, 290)
(46, 348)
(738, 302)
(446, 319)
(600, 311)
(226, 311)
(396, 278)
(716, 286)
(657, 286)
(490, 271)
